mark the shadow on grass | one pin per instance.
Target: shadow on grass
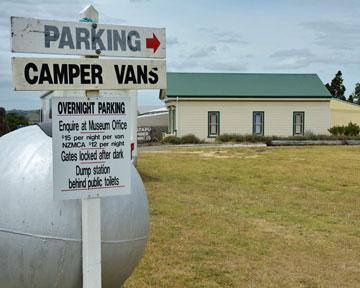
(148, 178)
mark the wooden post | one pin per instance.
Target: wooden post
(91, 213)
(91, 242)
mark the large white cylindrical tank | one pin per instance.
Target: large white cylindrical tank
(40, 239)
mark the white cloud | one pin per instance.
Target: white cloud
(291, 59)
(301, 58)
(203, 52)
(335, 35)
(223, 36)
(183, 66)
(226, 66)
(299, 53)
(171, 41)
(320, 37)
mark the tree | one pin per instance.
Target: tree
(350, 98)
(356, 94)
(13, 120)
(2, 121)
(337, 88)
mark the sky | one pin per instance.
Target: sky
(252, 36)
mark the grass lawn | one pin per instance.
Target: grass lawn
(252, 217)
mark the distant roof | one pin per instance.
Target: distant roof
(155, 111)
(46, 94)
(245, 85)
(149, 108)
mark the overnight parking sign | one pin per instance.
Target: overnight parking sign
(91, 147)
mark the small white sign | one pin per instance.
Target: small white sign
(91, 147)
(31, 35)
(43, 74)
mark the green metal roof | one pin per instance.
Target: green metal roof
(239, 85)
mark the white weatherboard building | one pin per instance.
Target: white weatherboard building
(211, 104)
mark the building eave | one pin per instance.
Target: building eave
(246, 96)
(244, 99)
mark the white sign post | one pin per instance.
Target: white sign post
(91, 137)
(91, 212)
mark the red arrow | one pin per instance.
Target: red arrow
(152, 43)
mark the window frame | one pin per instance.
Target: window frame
(214, 135)
(302, 113)
(172, 120)
(262, 113)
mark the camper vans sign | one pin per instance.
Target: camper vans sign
(87, 74)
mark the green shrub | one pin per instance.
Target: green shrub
(249, 138)
(242, 138)
(171, 140)
(235, 138)
(14, 120)
(325, 137)
(230, 138)
(337, 130)
(310, 135)
(224, 138)
(352, 129)
(190, 139)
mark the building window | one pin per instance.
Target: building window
(258, 123)
(298, 123)
(172, 119)
(213, 123)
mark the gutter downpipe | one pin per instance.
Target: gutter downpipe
(177, 115)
